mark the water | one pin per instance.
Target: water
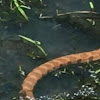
(58, 38)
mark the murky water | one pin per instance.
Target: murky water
(58, 38)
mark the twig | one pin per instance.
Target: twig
(69, 13)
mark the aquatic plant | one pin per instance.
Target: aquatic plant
(19, 5)
(21, 71)
(91, 5)
(36, 43)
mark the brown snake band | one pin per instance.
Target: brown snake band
(30, 81)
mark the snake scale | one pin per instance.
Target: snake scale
(30, 81)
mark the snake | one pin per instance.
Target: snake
(28, 85)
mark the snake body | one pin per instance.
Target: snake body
(32, 78)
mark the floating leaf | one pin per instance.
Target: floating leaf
(19, 7)
(91, 5)
(22, 6)
(16, 3)
(27, 39)
(23, 13)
